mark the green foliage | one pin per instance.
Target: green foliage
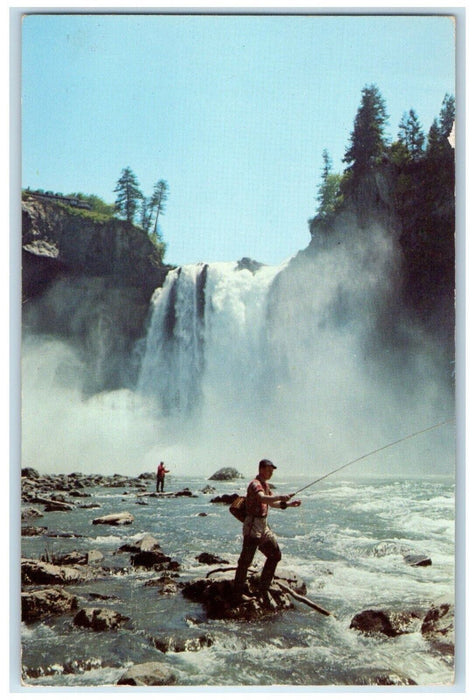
(128, 195)
(411, 135)
(447, 115)
(97, 204)
(329, 196)
(159, 197)
(367, 141)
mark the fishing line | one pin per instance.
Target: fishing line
(373, 452)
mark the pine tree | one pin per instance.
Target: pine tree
(447, 115)
(128, 196)
(159, 197)
(146, 213)
(411, 135)
(328, 196)
(367, 141)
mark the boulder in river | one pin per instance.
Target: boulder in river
(417, 560)
(216, 595)
(114, 519)
(226, 498)
(99, 619)
(45, 602)
(386, 622)
(226, 474)
(377, 676)
(151, 673)
(34, 571)
(438, 627)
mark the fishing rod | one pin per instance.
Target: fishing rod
(373, 452)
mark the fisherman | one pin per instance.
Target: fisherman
(256, 532)
(161, 471)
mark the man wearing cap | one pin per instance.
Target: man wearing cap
(256, 532)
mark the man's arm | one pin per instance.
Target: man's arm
(278, 501)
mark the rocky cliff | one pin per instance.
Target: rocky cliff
(88, 282)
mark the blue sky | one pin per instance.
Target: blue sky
(233, 111)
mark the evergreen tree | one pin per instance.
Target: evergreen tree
(146, 213)
(157, 203)
(367, 141)
(436, 141)
(447, 115)
(128, 196)
(328, 196)
(411, 135)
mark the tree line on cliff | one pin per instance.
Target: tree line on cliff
(421, 170)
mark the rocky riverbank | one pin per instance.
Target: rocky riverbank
(67, 588)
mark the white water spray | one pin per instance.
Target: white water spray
(303, 363)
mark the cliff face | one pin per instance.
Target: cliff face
(88, 283)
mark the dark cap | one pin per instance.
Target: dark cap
(266, 463)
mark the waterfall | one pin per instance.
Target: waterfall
(312, 362)
(206, 347)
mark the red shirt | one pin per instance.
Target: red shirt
(254, 504)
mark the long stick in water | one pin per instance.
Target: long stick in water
(373, 452)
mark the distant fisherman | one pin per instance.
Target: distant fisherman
(161, 471)
(256, 532)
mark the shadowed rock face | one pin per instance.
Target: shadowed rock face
(77, 244)
(87, 282)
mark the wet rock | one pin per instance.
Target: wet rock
(34, 571)
(417, 560)
(30, 531)
(385, 622)
(378, 677)
(292, 580)
(165, 585)
(148, 543)
(152, 673)
(101, 596)
(149, 560)
(45, 602)
(81, 558)
(52, 506)
(185, 492)
(180, 643)
(216, 596)
(114, 519)
(147, 476)
(205, 558)
(208, 489)
(99, 619)
(438, 627)
(30, 473)
(226, 474)
(64, 535)
(31, 513)
(225, 498)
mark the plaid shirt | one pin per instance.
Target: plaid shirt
(254, 504)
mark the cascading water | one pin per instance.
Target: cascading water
(206, 359)
(310, 362)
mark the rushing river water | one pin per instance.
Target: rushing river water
(347, 542)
